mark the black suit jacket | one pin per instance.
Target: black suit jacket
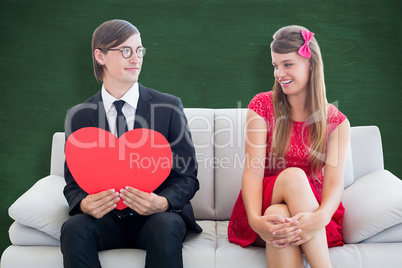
(157, 111)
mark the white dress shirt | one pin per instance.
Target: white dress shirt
(131, 98)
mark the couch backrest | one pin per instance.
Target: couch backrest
(57, 159)
(366, 150)
(218, 136)
(202, 124)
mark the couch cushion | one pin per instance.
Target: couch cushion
(372, 204)
(21, 235)
(230, 160)
(377, 255)
(390, 235)
(201, 124)
(199, 249)
(198, 252)
(43, 206)
(234, 256)
(38, 256)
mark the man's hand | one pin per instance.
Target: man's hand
(98, 205)
(142, 202)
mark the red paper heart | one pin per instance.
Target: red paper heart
(98, 160)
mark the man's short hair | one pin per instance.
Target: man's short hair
(108, 35)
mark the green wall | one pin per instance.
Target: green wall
(212, 54)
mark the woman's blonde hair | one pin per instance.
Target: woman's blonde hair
(287, 40)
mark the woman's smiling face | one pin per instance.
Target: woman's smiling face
(292, 72)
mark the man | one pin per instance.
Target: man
(157, 222)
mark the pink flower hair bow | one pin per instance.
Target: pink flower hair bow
(304, 50)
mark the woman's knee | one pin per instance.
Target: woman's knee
(294, 188)
(294, 172)
(295, 177)
(278, 209)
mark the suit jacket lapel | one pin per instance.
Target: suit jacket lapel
(143, 113)
(99, 118)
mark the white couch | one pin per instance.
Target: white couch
(372, 198)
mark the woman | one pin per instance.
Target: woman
(290, 202)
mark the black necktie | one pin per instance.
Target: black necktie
(121, 123)
(121, 127)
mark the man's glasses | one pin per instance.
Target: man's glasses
(126, 52)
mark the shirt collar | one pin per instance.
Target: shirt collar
(131, 97)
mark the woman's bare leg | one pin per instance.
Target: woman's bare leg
(293, 189)
(289, 256)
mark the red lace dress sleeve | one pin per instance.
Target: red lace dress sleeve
(262, 105)
(335, 118)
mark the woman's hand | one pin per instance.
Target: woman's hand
(277, 230)
(310, 223)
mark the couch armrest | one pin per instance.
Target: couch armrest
(57, 159)
(366, 150)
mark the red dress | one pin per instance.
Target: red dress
(239, 231)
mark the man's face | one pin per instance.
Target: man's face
(119, 71)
